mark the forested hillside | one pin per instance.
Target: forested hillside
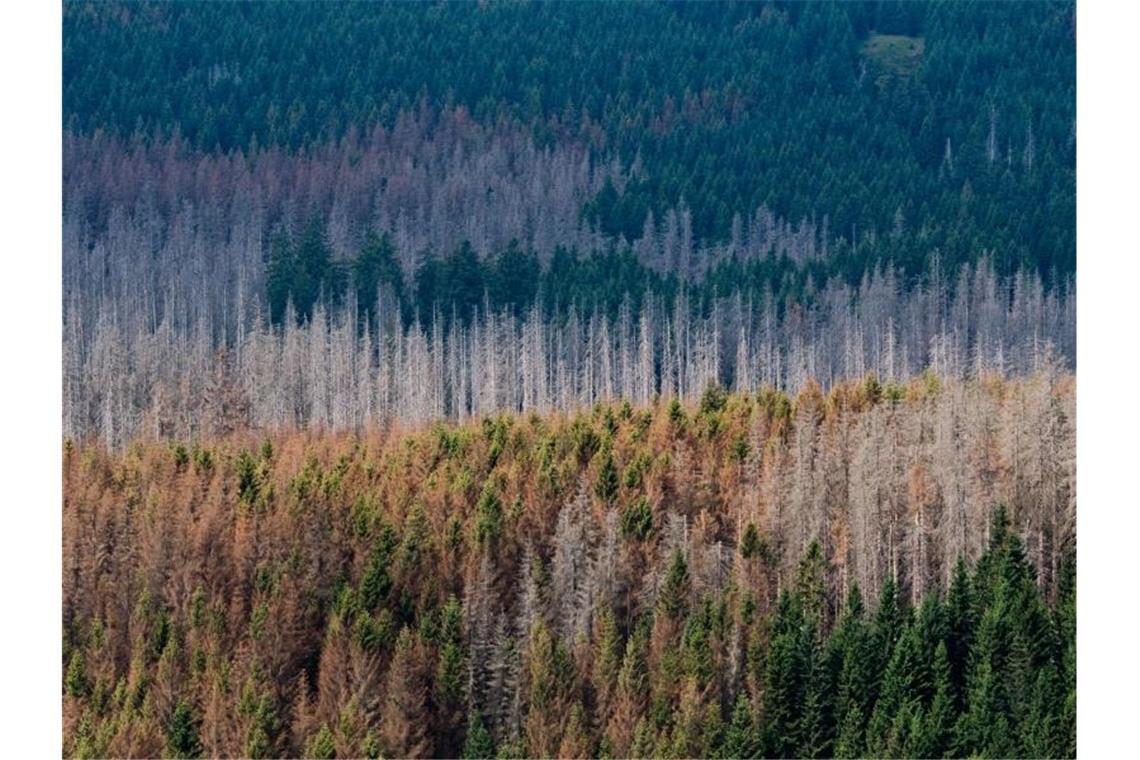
(815, 189)
(531, 379)
(881, 569)
(862, 112)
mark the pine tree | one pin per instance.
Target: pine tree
(985, 726)
(450, 670)
(815, 730)
(377, 582)
(1042, 730)
(488, 517)
(888, 624)
(905, 682)
(750, 542)
(549, 670)
(279, 275)
(575, 739)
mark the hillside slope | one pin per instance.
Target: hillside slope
(666, 580)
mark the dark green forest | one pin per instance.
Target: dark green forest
(925, 120)
(302, 271)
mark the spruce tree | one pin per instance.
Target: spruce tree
(321, 745)
(811, 584)
(478, 745)
(815, 731)
(644, 740)
(182, 732)
(960, 622)
(904, 683)
(673, 598)
(742, 740)
(785, 678)
(606, 486)
(937, 729)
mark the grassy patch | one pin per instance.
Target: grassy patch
(894, 54)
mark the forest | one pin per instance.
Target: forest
(434, 209)
(532, 379)
(882, 570)
(727, 106)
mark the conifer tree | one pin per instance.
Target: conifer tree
(575, 739)
(644, 740)
(404, 718)
(450, 670)
(742, 739)
(785, 677)
(811, 585)
(673, 599)
(606, 487)
(632, 692)
(960, 614)
(607, 659)
(182, 734)
(321, 745)
(478, 744)
(938, 725)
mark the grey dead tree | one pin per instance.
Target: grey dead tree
(572, 586)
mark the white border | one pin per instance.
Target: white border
(1108, 321)
(31, 429)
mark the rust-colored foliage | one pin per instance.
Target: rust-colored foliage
(290, 593)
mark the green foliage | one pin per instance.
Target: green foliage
(374, 267)
(637, 520)
(673, 598)
(724, 107)
(75, 677)
(488, 517)
(811, 583)
(182, 733)
(742, 740)
(606, 486)
(377, 580)
(248, 482)
(636, 469)
(450, 672)
(741, 449)
(751, 545)
(713, 400)
(676, 412)
(180, 456)
(607, 652)
(321, 745)
(585, 440)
